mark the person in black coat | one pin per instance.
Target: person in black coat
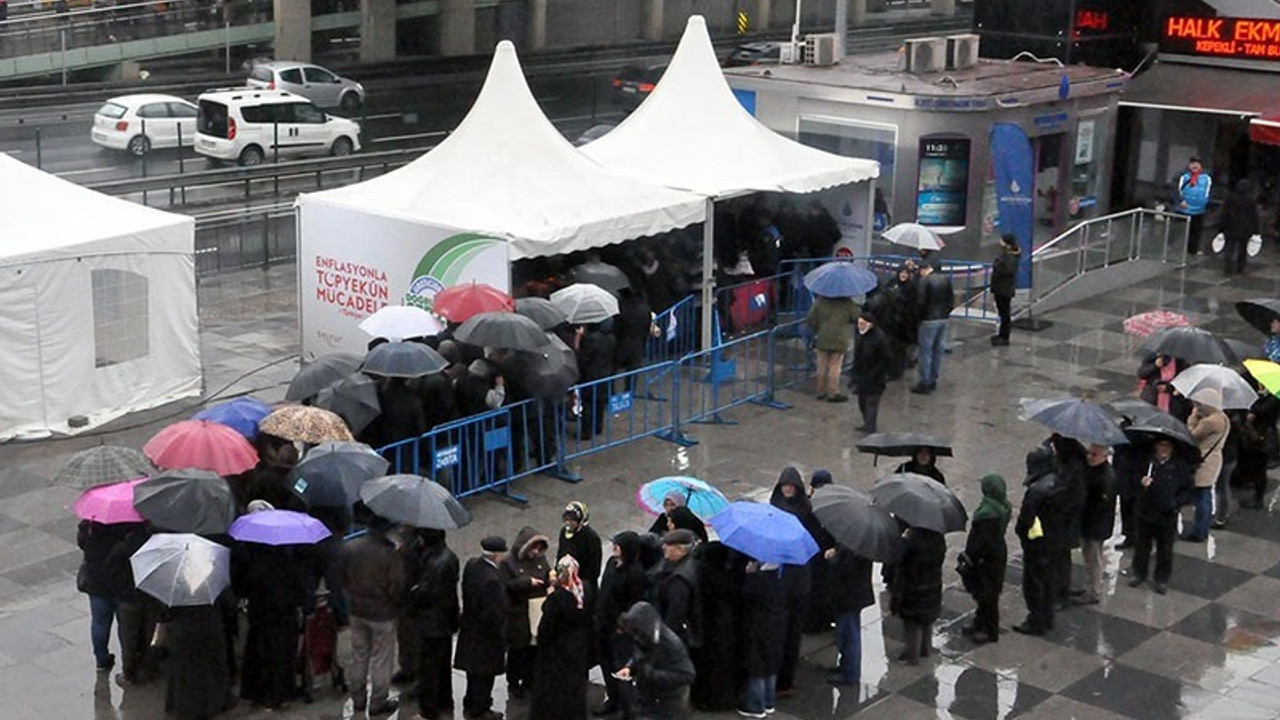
(1129, 464)
(274, 584)
(720, 633)
(764, 623)
(199, 676)
(595, 348)
(902, 322)
(401, 416)
(432, 612)
(916, 593)
(137, 613)
(819, 617)
(925, 463)
(680, 517)
(623, 585)
(1063, 528)
(872, 359)
(579, 539)
(559, 688)
(482, 634)
(1256, 441)
(1004, 285)
(1039, 506)
(631, 328)
(438, 397)
(850, 591)
(789, 494)
(988, 556)
(1097, 520)
(1166, 487)
(660, 666)
(674, 588)
(1239, 222)
(526, 574)
(104, 580)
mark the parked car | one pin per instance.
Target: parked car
(139, 123)
(245, 125)
(633, 83)
(322, 87)
(754, 53)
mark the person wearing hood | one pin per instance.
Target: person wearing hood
(675, 587)
(1209, 426)
(659, 667)
(622, 586)
(526, 575)
(1004, 284)
(1166, 486)
(1038, 509)
(1239, 221)
(482, 634)
(789, 494)
(1096, 521)
(559, 689)
(988, 556)
(871, 361)
(916, 592)
(579, 539)
(925, 463)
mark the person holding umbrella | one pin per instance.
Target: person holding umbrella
(923, 462)
(1210, 427)
(871, 361)
(1096, 522)
(764, 622)
(850, 591)
(1004, 276)
(916, 591)
(789, 495)
(1167, 483)
(987, 557)
(830, 319)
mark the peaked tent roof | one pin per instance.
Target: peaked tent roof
(507, 171)
(691, 133)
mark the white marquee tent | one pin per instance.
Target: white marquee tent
(97, 305)
(505, 176)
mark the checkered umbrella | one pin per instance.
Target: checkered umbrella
(103, 465)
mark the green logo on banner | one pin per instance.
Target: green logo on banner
(443, 266)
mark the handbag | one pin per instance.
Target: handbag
(968, 572)
(535, 617)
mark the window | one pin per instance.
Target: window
(853, 138)
(154, 110)
(292, 75)
(306, 113)
(259, 114)
(121, 317)
(181, 110)
(261, 74)
(212, 119)
(319, 75)
(113, 111)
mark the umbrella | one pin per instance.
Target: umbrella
(903, 444)
(279, 527)
(109, 504)
(921, 502)
(1190, 344)
(541, 311)
(1266, 373)
(462, 302)
(547, 372)
(397, 322)
(201, 444)
(102, 465)
(585, 304)
(839, 279)
(913, 235)
(1162, 424)
(414, 500)
(354, 399)
(311, 425)
(502, 330)
(1143, 324)
(189, 500)
(1234, 392)
(403, 360)
(181, 569)
(330, 474)
(857, 523)
(241, 414)
(1074, 418)
(320, 374)
(702, 498)
(1134, 409)
(1241, 350)
(602, 275)
(1259, 312)
(764, 532)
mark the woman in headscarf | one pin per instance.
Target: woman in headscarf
(564, 649)
(579, 539)
(987, 556)
(789, 495)
(675, 498)
(623, 585)
(682, 518)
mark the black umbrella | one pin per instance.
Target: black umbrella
(547, 372)
(502, 330)
(903, 444)
(354, 398)
(414, 500)
(1241, 350)
(857, 523)
(1190, 344)
(320, 374)
(542, 311)
(103, 465)
(920, 501)
(186, 501)
(1259, 312)
(1164, 425)
(403, 360)
(1134, 410)
(603, 275)
(330, 474)
(1074, 418)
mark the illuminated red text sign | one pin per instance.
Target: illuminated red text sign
(1092, 20)
(1223, 37)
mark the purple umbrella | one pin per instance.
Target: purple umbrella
(279, 527)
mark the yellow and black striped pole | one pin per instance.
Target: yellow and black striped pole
(744, 23)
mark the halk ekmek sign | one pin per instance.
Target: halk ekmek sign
(1244, 38)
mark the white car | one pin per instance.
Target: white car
(249, 126)
(139, 123)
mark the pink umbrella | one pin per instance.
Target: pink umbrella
(109, 504)
(203, 445)
(1146, 323)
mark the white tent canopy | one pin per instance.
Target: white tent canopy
(506, 171)
(97, 305)
(691, 133)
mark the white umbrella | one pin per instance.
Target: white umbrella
(1236, 394)
(397, 322)
(179, 569)
(913, 235)
(585, 304)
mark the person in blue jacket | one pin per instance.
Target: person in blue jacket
(1194, 186)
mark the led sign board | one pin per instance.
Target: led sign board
(1245, 38)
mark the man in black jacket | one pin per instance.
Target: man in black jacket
(482, 638)
(660, 668)
(1165, 488)
(850, 592)
(675, 586)
(1004, 284)
(871, 360)
(1038, 510)
(432, 610)
(1096, 522)
(935, 300)
(374, 578)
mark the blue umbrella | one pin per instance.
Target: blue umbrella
(242, 415)
(702, 499)
(765, 533)
(838, 279)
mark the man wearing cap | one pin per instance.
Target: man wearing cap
(935, 298)
(675, 590)
(579, 539)
(871, 361)
(482, 638)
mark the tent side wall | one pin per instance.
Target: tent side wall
(353, 262)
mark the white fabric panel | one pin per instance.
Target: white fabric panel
(508, 172)
(22, 398)
(691, 133)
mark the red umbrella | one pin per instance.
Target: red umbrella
(1146, 323)
(201, 444)
(460, 302)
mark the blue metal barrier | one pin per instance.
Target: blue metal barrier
(616, 410)
(677, 332)
(470, 455)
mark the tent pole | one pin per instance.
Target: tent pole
(708, 273)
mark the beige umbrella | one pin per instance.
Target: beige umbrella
(304, 423)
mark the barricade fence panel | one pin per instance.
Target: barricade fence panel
(732, 373)
(616, 410)
(675, 332)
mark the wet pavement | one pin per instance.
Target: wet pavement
(1208, 649)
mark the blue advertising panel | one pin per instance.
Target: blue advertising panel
(942, 189)
(1014, 166)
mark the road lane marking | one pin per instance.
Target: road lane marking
(416, 136)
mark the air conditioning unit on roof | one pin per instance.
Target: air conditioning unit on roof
(790, 53)
(926, 55)
(820, 49)
(962, 51)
